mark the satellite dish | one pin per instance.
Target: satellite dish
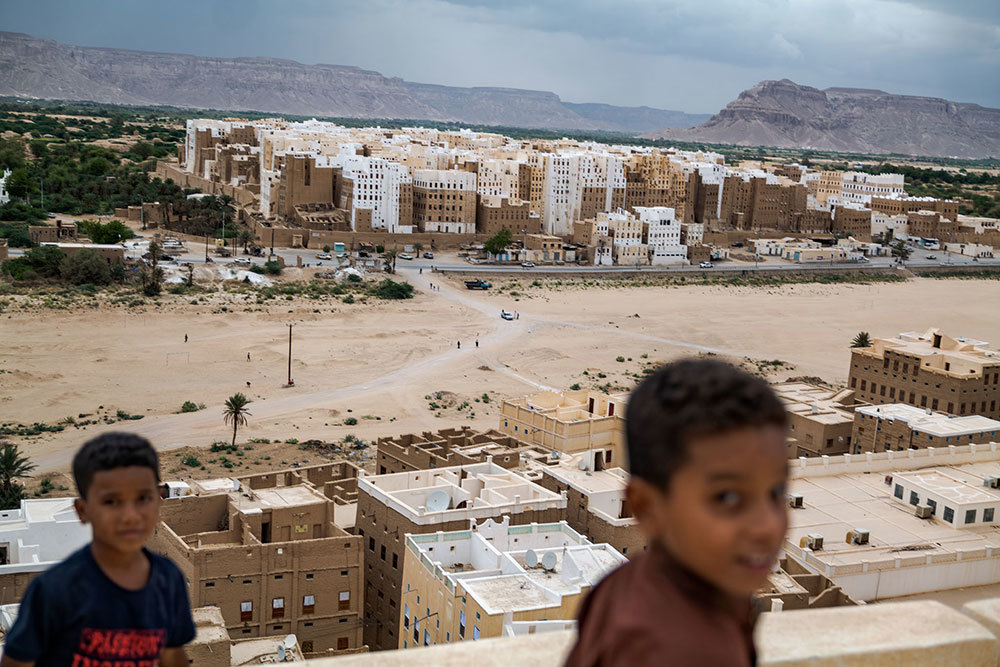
(437, 501)
(290, 642)
(549, 561)
(281, 652)
(583, 464)
(531, 558)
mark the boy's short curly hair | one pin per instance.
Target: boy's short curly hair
(109, 451)
(687, 399)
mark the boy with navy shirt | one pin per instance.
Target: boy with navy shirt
(112, 603)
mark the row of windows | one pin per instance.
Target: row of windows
(949, 514)
(278, 606)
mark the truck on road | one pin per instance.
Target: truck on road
(477, 284)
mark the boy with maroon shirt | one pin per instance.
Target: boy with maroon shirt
(708, 466)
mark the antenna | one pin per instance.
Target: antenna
(531, 558)
(437, 501)
(549, 561)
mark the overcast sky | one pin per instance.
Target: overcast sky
(691, 56)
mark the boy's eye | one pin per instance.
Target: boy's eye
(728, 499)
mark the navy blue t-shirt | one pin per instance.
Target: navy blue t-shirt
(73, 614)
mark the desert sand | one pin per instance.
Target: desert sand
(380, 362)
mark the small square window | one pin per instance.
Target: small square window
(898, 492)
(988, 515)
(949, 514)
(970, 516)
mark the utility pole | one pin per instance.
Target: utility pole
(41, 183)
(290, 354)
(206, 247)
(524, 244)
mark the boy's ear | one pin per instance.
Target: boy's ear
(643, 498)
(81, 509)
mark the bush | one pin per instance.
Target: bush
(620, 359)
(575, 386)
(113, 231)
(348, 299)
(191, 406)
(350, 421)
(353, 277)
(85, 266)
(191, 461)
(390, 289)
(272, 267)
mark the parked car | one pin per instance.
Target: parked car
(527, 265)
(428, 255)
(706, 265)
(405, 255)
(52, 215)
(242, 260)
(324, 255)
(505, 315)
(931, 256)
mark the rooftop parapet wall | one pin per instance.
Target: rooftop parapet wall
(916, 634)
(911, 459)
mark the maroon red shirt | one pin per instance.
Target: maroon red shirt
(651, 611)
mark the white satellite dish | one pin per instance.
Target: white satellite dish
(531, 558)
(583, 464)
(281, 652)
(549, 561)
(437, 501)
(290, 642)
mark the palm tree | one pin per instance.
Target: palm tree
(862, 340)
(244, 236)
(236, 412)
(13, 466)
(390, 259)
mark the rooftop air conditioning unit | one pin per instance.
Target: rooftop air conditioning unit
(812, 541)
(888, 479)
(795, 500)
(992, 481)
(923, 512)
(857, 536)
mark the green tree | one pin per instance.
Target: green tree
(862, 340)
(142, 149)
(86, 266)
(418, 246)
(13, 466)
(390, 289)
(244, 236)
(390, 259)
(497, 243)
(152, 281)
(113, 231)
(46, 260)
(236, 412)
(900, 251)
(18, 183)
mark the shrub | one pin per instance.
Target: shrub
(191, 461)
(350, 421)
(486, 398)
(575, 386)
(620, 359)
(272, 267)
(191, 406)
(354, 278)
(85, 266)
(348, 299)
(390, 289)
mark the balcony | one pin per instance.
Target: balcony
(915, 633)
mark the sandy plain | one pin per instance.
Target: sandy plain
(382, 363)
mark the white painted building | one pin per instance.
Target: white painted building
(4, 197)
(876, 544)
(662, 232)
(39, 534)
(860, 187)
(377, 185)
(970, 249)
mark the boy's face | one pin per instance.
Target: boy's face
(724, 516)
(122, 505)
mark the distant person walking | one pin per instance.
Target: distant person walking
(460, 345)
(248, 356)
(185, 338)
(477, 343)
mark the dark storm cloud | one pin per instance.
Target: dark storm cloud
(694, 56)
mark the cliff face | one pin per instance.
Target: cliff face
(787, 115)
(31, 67)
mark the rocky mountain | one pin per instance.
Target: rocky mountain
(32, 67)
(785, 114)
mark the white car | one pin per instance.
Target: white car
(405, 255)
(242, 260)
(706, 265)
(931, 256)
(528, 265)
(324, 255)
(505, 315)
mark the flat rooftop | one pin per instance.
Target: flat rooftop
(836, 504)
(282, 496)
(933, 423)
